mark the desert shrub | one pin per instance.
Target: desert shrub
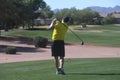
(40, 42)
(10, 50)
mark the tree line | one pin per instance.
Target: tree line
(14, 13)
(78, 16)
(86, 15)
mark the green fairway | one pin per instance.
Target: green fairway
(103, 35)
(76, 69)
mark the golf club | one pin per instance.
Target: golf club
(82, 42)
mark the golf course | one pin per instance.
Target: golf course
(59, 40)
(76, 68)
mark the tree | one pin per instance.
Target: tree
(46, 13)
(109, 19)
(78, 16)
(18, 12)
(32, 7)
(86, 15)
(7, 12)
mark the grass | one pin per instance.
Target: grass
(29, 33)
(76, 69)
(102, 35)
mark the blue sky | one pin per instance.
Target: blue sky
(80, 4)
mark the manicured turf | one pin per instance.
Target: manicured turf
(103, 35)
(76, 69)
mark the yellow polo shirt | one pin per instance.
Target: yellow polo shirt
(59, 31)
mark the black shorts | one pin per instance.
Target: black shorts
(58, 48)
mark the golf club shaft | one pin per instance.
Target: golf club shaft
(75, 35)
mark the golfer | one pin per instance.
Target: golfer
(58, 50)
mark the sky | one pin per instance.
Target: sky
(81, 4)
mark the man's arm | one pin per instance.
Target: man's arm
(52, 24)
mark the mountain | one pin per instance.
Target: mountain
(99, 9)
(105, 9)
(56, 10)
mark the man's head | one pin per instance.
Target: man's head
(66, 19)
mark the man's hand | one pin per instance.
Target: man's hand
(55, 19)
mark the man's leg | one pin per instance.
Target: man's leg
(61, 61)
(56, 61)
(61, 66)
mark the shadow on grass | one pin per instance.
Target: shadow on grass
(21, 49)
(19, 39)
(93, 74)
(38, 29)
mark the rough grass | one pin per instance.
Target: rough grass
(76, 69)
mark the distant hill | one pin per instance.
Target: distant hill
(99, 9)
(105, 9)
(56, 10)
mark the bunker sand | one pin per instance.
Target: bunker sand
(27, 52)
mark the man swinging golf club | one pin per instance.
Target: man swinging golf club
(58, 50)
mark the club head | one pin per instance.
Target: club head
(82, 43)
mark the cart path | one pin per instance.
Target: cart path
(27, 52)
